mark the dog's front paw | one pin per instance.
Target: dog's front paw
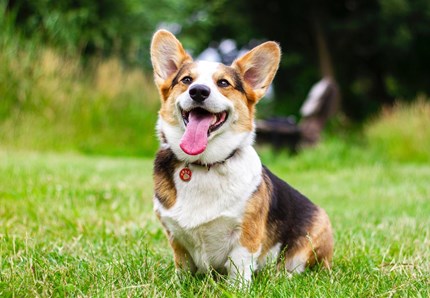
(240, 266)
(182, 275)
(240, 281)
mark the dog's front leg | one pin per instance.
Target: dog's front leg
(241, 264)
(183, 260)
(243, 257)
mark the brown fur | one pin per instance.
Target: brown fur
(257, 230)
(321, 240)
(254, 221)
(317, 246)
(165, 191)
(181, 256)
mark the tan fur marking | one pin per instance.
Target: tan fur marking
(317, 246)
(246, 112)
(167, 112)
(164, 185)
(170, 91)
(270, 233)
(245, 121)
(238, 96)
(166, 194)
(181, 256)
(322, 239)
(255, 218)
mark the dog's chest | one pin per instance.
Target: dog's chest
(209, 208)
(208, 244)
(222, 191)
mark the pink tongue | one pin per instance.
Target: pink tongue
(195, 138)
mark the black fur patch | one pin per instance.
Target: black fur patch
(290, 213)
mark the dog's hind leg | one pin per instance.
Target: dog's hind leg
(314, 248)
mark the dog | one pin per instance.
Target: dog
(221, 208)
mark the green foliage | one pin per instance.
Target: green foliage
(60, 91)
(97, 27)
(50, 102)
(402, 133)
(377, 50)
(75, 225)
(109, 27)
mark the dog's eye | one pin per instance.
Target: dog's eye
(223, 83)
(187, 80)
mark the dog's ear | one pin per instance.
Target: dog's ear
(167, 55)
(258, 67)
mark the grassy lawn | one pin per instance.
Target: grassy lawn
(82, 226)
(74, 225)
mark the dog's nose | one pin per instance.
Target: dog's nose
(199, 92)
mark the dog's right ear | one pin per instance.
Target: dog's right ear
(167, 55)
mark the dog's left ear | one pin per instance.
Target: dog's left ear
(167, 55)
(258, 67)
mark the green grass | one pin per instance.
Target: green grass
(73, 225)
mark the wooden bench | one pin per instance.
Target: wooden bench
(283, 132)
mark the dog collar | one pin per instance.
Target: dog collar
(185, 174)
(198, 163)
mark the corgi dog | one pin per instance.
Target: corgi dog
(221, 208)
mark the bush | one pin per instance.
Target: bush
(402, 132)
(51, 102)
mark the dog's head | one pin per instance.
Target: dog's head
(207, 108)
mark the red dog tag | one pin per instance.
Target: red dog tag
(185, 174)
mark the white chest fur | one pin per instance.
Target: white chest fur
(209, 208)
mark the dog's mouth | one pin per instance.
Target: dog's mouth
(215, 120)
(199, 124)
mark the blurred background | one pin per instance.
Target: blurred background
(76, 75)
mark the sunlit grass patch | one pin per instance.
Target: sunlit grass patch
(402, 132)
(73, 225)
